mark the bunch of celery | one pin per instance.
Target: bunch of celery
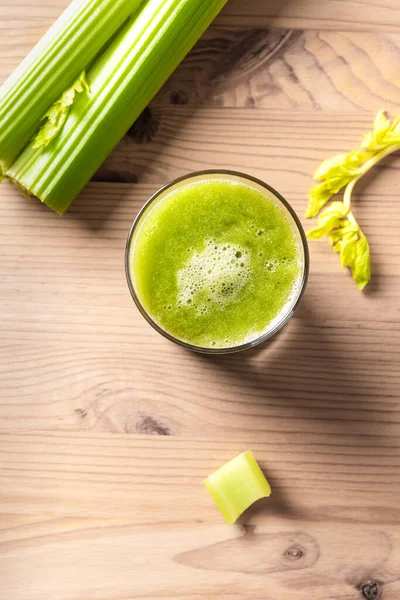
(66, 50)
(83, 86)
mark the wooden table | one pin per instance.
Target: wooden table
(107, 430)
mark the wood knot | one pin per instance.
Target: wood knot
(81, 412)
(147, 425)
(294, 553)
(179, 97)
(145, 127)
(371, 590)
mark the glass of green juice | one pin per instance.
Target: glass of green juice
(217, 261)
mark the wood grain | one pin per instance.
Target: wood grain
(340, 15)
(77, 355)
(286, 547)
(283, 147)
(107, 430)
(293, 69)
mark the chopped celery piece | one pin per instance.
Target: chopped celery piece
(237, 485)
(56, 61)
(122, 81)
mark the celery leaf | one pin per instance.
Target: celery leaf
(335, 174)
(345, 237)
(337, 222)
(329, 219)
(57, 114)
(361, 265)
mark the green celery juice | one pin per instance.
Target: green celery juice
(216, 263)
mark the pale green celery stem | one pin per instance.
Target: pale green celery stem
(122, 83)
(65, 51)
(371, 162)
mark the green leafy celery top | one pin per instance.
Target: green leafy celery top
(337, 222)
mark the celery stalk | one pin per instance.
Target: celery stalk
(122, 82)
(237, 485)
(65, 51)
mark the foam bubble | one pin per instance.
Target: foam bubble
(271, 265)
(213, 276)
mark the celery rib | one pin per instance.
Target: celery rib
(122, 81)
(66, 50)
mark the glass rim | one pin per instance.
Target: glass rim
(302, 284)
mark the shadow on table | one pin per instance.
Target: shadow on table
(302, 371)
(316, 391)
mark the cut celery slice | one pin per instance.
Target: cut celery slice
(237, 485)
